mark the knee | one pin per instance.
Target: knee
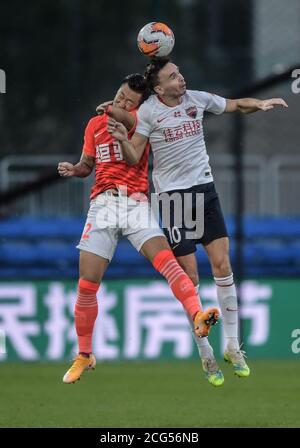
(221, 266)
(89, 278)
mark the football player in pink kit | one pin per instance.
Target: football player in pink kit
(120, 194)
(171, 121)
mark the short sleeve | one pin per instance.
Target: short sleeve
(214, 103)
(89, 140)
(144, 120)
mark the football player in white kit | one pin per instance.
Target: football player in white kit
(171, 120)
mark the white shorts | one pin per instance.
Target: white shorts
(111, 217)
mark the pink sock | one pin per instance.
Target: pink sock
(181, 285)
(86, 310)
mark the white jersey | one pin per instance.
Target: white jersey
(180, 159)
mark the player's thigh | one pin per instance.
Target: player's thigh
(153, 246)
(97, 244)
(91, 266)
(217, 248)
(143, 230)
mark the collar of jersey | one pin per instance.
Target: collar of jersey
(171, 107)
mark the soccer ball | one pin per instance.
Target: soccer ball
(156, 39)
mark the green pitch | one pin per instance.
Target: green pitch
(149, 395)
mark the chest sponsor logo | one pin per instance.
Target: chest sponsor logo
(109, 152)
(188, 129)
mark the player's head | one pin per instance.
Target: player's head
(132, 92)
(164, 78)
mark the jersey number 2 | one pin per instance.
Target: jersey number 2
(86, 232)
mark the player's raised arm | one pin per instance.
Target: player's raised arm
(132, 150)
(82, 169)
(249, 105)
(120, 115)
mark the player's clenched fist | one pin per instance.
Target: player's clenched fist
(66, 169)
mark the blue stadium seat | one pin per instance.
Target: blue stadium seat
(56, 254)
(45, 248)
(38, 228)
(272, 228)
(18, 254)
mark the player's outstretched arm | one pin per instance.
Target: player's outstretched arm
(249, 105)
(132, 150)
(82, 169)
(120, 115)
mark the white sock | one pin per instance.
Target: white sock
(227, 299)
(203, 345)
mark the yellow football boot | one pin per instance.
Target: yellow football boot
(204, 320)
(80, 364)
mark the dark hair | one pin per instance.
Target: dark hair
(137, 83)
(152, 70)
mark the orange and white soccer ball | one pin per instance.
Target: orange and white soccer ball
(156, 39)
